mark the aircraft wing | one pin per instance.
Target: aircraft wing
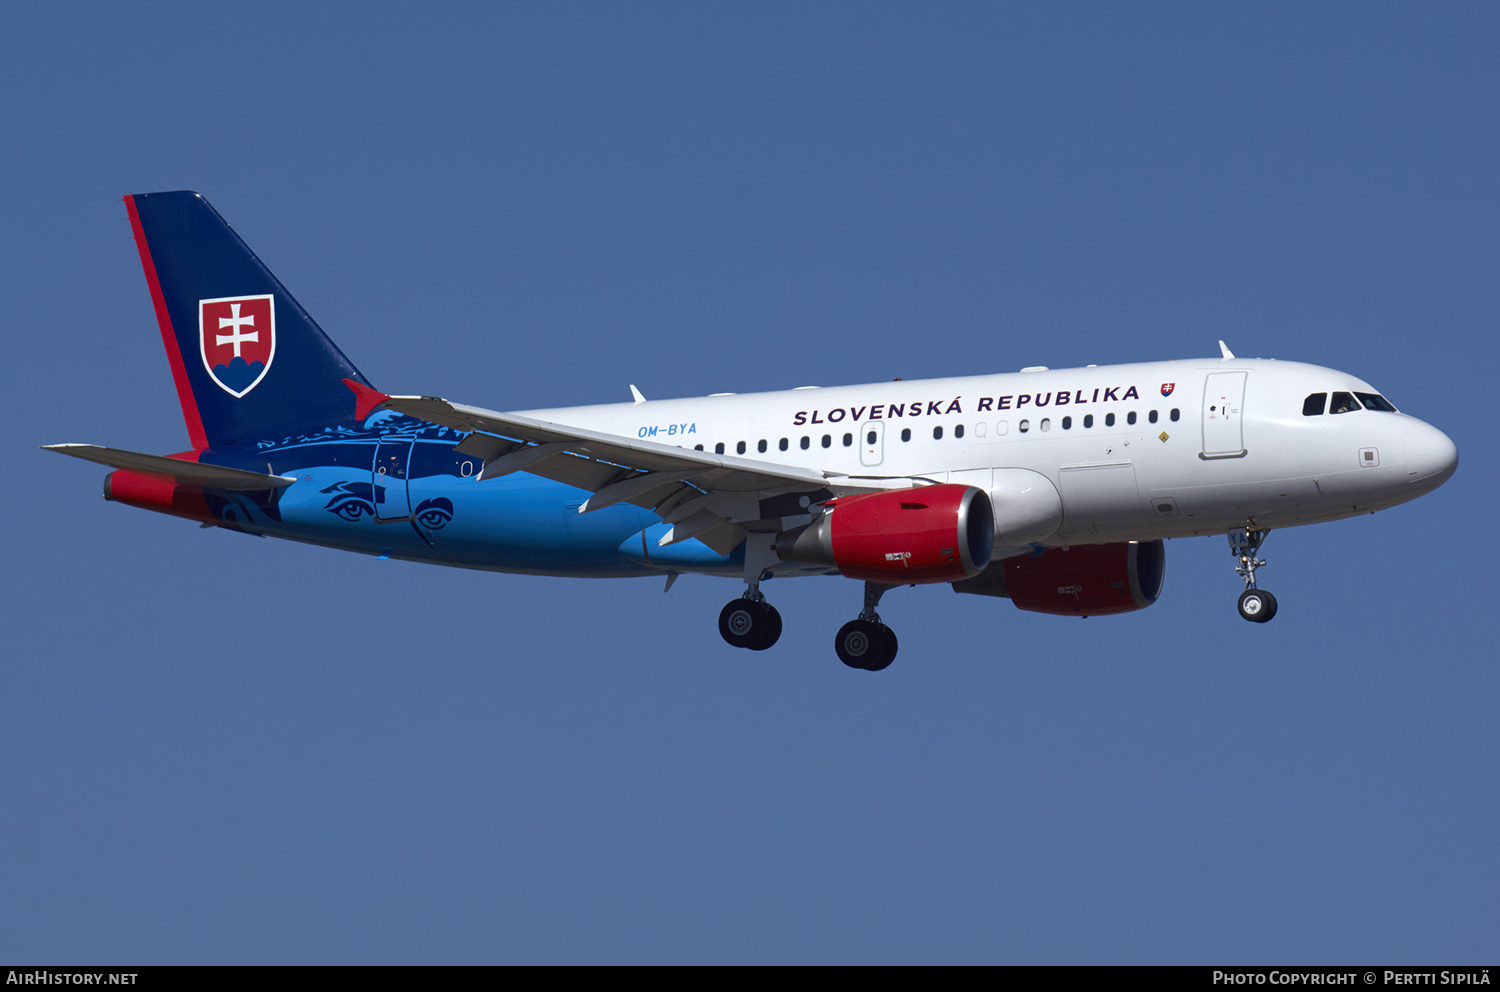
(717, 499)
(184, 472)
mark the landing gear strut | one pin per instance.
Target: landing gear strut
(1255, 604)
(750, 621)
(866, 642)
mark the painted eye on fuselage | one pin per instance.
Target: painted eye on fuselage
(351, 508)
(434, 513)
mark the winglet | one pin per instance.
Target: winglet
(366, 399)
(636, 393)
(1225, 349)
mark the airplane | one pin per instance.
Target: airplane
(1054, 488)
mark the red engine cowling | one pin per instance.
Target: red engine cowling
(930, 534)
(1088, 580)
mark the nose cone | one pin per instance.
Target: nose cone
(1430, 456)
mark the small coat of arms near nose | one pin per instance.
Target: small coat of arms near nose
(1167, 387)
(237, 339)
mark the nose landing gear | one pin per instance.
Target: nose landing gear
(866, 642)
(1255, 605)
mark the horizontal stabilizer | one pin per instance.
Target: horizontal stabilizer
(186, 473)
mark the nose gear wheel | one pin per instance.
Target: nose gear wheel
(1257, 605)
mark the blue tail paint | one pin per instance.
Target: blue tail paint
(248, 361)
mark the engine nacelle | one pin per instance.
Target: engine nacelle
(1086, 580)
(929, 534)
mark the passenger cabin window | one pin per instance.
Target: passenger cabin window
(739, 449)
(827, 440)
(1374, 401)
(958, 431)
(849, 441)
(905, 434)
(761, 445)
(806, 442)
(719, 448)
(1175, 414)
(937, 433)
(1313, 405)
(1067, 423)
(1151, 416)
(1024, 426)
(1109, 420)
(1130, 417)
(782, 444)
(1343, 403)
(1088, 420)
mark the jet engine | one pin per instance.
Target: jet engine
(940, 533)
(1086, 580)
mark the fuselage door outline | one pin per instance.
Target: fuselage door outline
(388, 479)
(1223, 419)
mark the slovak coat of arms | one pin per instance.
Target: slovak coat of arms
(237, 339)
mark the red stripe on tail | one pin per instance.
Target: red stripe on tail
(196, 434)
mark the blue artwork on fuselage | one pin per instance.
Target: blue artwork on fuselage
(433, 514)
(353, 500)
(393, 486)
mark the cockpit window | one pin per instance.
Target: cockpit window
(1374, 401)
(1343, 403)
(1313, 405)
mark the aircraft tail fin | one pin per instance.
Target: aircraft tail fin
(247, 360)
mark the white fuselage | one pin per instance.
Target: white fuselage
(1131, 452)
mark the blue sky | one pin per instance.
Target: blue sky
(221, 749)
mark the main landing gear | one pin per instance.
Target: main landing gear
(750, 622)
(1255, 604)
(866, 642)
